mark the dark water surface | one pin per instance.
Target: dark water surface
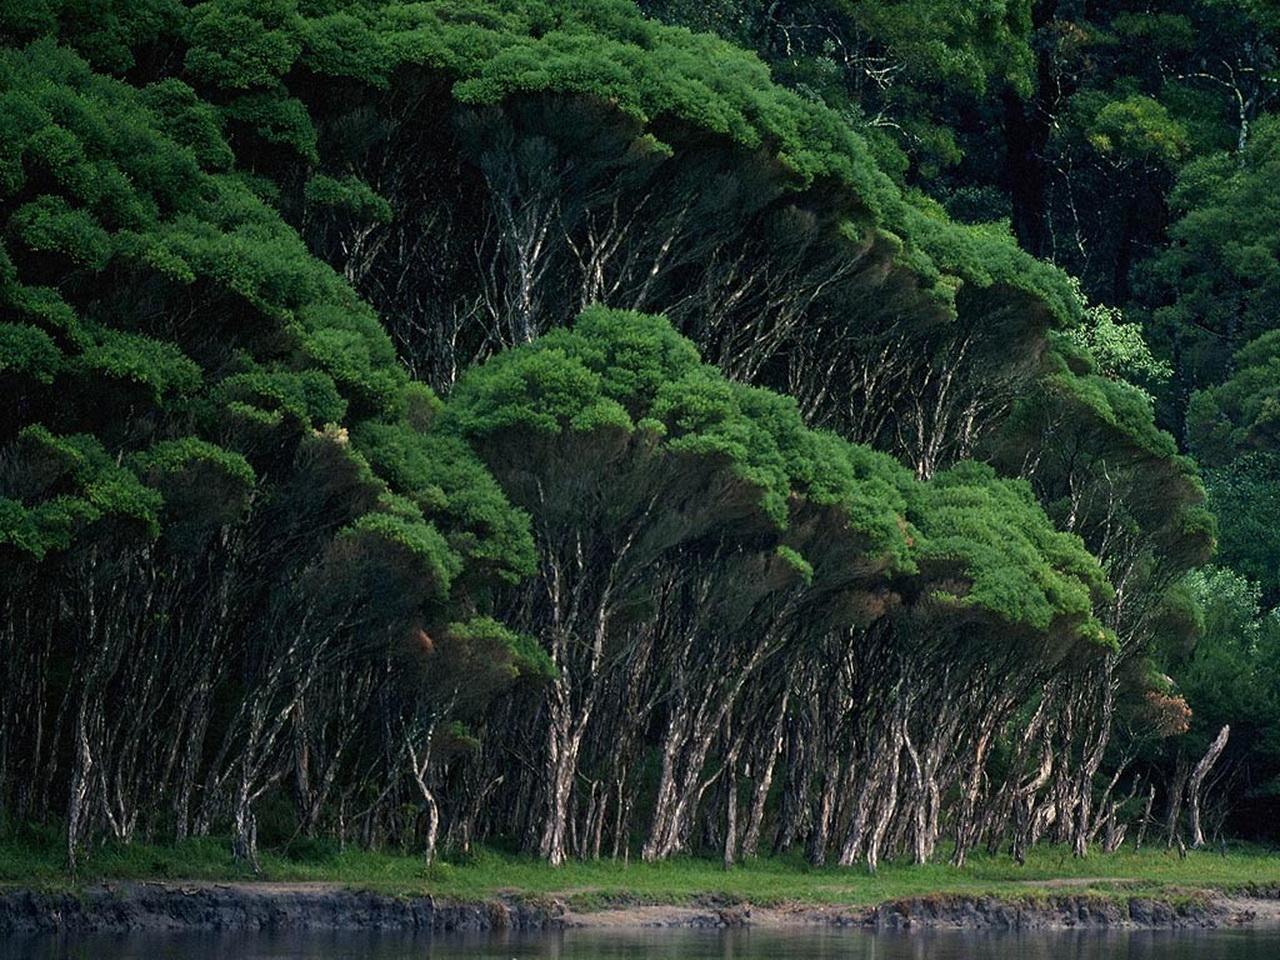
(664, 945)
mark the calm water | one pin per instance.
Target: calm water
(666, 945)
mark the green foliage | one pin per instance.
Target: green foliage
(309, 396)
(350, 195)
(912, 60)
(29, 351)
(975, 47)
(66, 486)
(404, 551)
(1221, 274)
(967, 525)
(443, 479)
(278, 119)
(1234, 428)
(184, 299)
(508, 654)
(50, 225)
(1118, 407)
(629, 373)
(1094, 431)
(240, 44)
(1119, 350)
(189, 121)
(191, 376)
(160, 368)
(172, 457)
(1231, 676)
(206, 489)
(1137, 129)
(607, 52)
(107, 33)
(794, 559)
(992, 535)
(1243, 413)
(1242, 495)
(1157, 31)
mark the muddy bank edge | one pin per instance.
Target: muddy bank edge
(140, 907)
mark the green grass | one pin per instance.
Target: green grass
(35, 860)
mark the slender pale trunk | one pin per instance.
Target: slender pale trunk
(420, 764)
(1146, 819)
(820, 836)
(763, 782)
(730, 787)
(664, 799)
(969, 800)
(889, 803)
(244, 844)
(1173, 814)
(799, 774)
(82, 765)
(79, 791)
(1092, 761)
(1196, 784)
(564, 740)
(433, 825)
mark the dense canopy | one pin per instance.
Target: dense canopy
(503, 421)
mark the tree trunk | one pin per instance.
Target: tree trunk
(664, 804)
(433, 824)
(420, 765)
(1196, 783)
(564, 738)
(1028, 124)
(730, 787)
(821, 833)
(79, 791)
(763, 782)
(1146, 819)
(798, 771)
(1176, 789)
(969, 800)
(888, 806)
(244, 843)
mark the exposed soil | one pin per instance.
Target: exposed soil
(1062, 882)
(127, 907)
(956, 912)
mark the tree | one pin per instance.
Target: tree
(1229, 677)
(179, 478)
(1220, 272)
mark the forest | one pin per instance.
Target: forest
(843, 428)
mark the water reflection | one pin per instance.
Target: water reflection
(665, 945)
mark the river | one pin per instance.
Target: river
(802, 944)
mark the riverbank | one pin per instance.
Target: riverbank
(197, 886)
(134, 907)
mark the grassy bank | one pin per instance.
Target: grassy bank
(36, 861)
